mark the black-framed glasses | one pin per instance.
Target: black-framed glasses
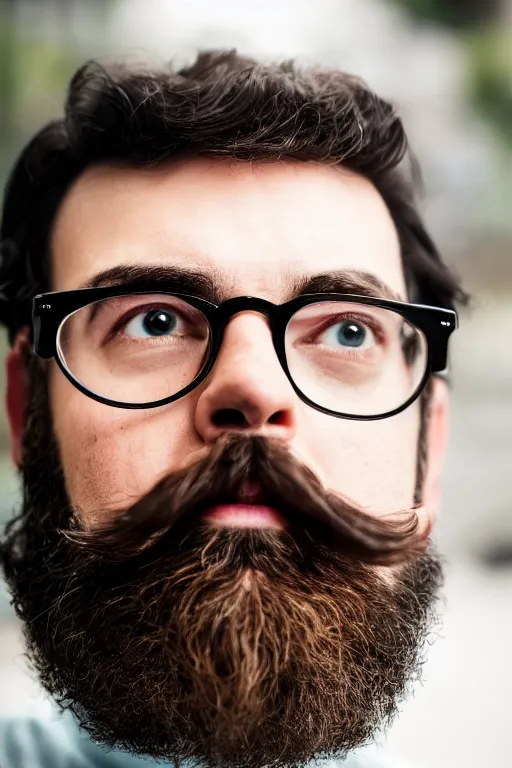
(137, 346)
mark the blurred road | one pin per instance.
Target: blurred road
(461, 716)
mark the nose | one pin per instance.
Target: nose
(247, 390)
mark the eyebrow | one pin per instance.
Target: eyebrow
(352, 281)
(180, 279)
(209, 285)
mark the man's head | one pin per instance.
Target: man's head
(168, 632)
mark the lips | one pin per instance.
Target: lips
(248, 510)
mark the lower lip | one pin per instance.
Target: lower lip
(245, 516)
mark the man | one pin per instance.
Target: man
(228, 326)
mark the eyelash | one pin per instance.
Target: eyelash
(365, 320)
(125, 319)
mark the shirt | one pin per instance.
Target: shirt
(58, 742)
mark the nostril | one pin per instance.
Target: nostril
(232, 417)
(279, 417)
(229, 417)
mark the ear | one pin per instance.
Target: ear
(17, 391)
(437, 430)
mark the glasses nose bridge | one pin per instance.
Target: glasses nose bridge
(234, 306)
(231, 307)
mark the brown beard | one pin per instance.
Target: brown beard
(169, 637)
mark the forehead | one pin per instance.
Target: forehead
(252, 226)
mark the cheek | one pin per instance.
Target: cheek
(111, 456)
(373, 463)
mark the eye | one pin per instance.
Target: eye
(350, 334)
(155, 322)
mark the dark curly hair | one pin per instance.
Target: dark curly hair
(224, 104)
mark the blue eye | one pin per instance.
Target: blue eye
(349, 333)
(156, 322)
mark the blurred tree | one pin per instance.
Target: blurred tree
(7, 69)
(490, 66)
(461, 14)
(489, 52)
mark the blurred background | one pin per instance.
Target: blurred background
(447, 65)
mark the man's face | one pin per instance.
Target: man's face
(239, 646)
(255, 229)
